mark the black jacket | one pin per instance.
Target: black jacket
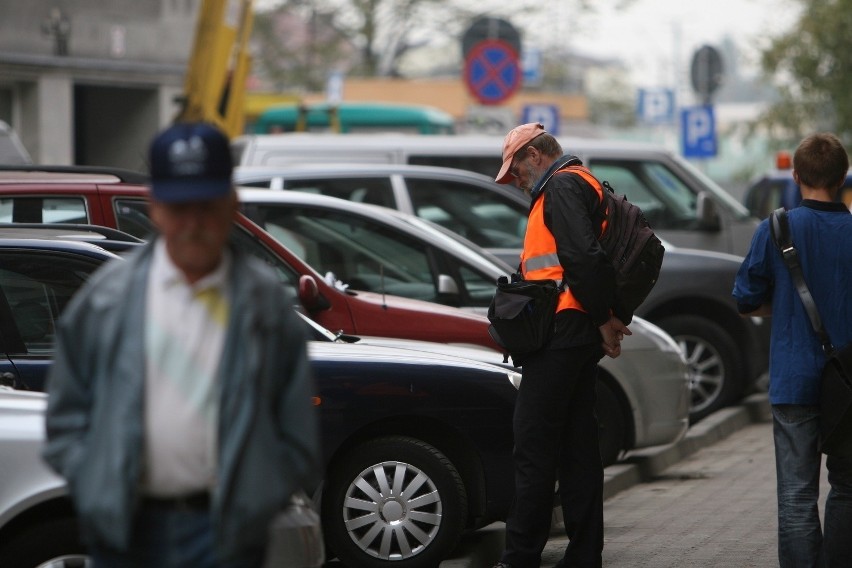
(572, 214)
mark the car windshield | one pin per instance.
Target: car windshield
(487, 218)
(372, 256)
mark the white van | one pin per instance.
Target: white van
(683, 205)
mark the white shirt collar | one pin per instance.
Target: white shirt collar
(165, 273)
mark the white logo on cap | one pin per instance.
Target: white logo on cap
(188, 156)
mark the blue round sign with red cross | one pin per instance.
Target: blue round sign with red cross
(492, 71)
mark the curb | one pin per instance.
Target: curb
(483, 547)
(643, 465)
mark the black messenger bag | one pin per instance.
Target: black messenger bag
(521, 315)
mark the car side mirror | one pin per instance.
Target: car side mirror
(309, 294)
(447, 286)
(706, 213)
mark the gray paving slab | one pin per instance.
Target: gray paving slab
(707, 501)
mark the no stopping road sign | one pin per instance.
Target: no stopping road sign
(492, 72)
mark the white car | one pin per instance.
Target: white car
(37, 523)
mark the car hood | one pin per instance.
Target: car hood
(395, 352)
(646, 337)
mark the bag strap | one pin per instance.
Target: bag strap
(780, 228)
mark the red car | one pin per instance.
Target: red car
(117, 199)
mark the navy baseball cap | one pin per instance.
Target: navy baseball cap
(190, 161)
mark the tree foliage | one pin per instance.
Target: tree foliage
(810, 65)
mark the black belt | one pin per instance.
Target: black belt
(193, 502)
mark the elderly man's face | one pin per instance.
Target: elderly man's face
(196, 232)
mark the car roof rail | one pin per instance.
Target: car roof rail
(106, 232)
(124, 175)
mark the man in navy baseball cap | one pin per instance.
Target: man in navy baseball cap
(193, 203)
(215, 389)
(190, 161)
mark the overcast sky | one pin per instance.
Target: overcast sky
(652, 36)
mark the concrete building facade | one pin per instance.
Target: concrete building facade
(89, 82)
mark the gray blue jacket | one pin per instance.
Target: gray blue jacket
(268, 429)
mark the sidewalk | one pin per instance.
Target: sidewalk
(708, 500)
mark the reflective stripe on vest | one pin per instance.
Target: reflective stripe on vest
(539, 260)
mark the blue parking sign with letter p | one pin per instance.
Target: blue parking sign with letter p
(656, 106)
(698, 132)
(547, 115)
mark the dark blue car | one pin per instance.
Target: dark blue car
(417, 445)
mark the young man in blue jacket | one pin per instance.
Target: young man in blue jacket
(179, 407)
(821, 230)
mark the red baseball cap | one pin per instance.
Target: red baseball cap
(517, 138)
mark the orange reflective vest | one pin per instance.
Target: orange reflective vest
(539, 260)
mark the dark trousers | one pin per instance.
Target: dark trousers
(556, 437)
(165, 538)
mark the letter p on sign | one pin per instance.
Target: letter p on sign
(698, 132)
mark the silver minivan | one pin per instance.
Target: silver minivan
(684, 206)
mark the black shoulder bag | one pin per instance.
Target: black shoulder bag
(521, 315)
(836, 386)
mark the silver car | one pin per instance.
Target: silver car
(37, 525)
(379, 249)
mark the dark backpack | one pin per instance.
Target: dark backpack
(635, 252)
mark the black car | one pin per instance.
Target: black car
(417, 445)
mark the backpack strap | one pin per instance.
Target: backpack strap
(779, 226)
(600, 215)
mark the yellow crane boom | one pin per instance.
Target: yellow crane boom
(214, 88)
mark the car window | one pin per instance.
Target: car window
(262, 184)
(372, 190)
(361, 253)
(38, 286)
(666, 201)
(766, 196)
(245, 241)
(43, 210)
(480, 288)
(485, 217)
(131, 216)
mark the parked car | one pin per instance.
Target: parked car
(684, 206)
(776, 188)
(472, 205)
(642, 396)
(384, 250)
(37, 523)
(117, 199)
(438, 426)
(642, 399)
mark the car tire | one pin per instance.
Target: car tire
(367, 526)
(716, 368)
(54, 543)
(612, 425)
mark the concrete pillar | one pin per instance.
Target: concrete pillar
(55, 126)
